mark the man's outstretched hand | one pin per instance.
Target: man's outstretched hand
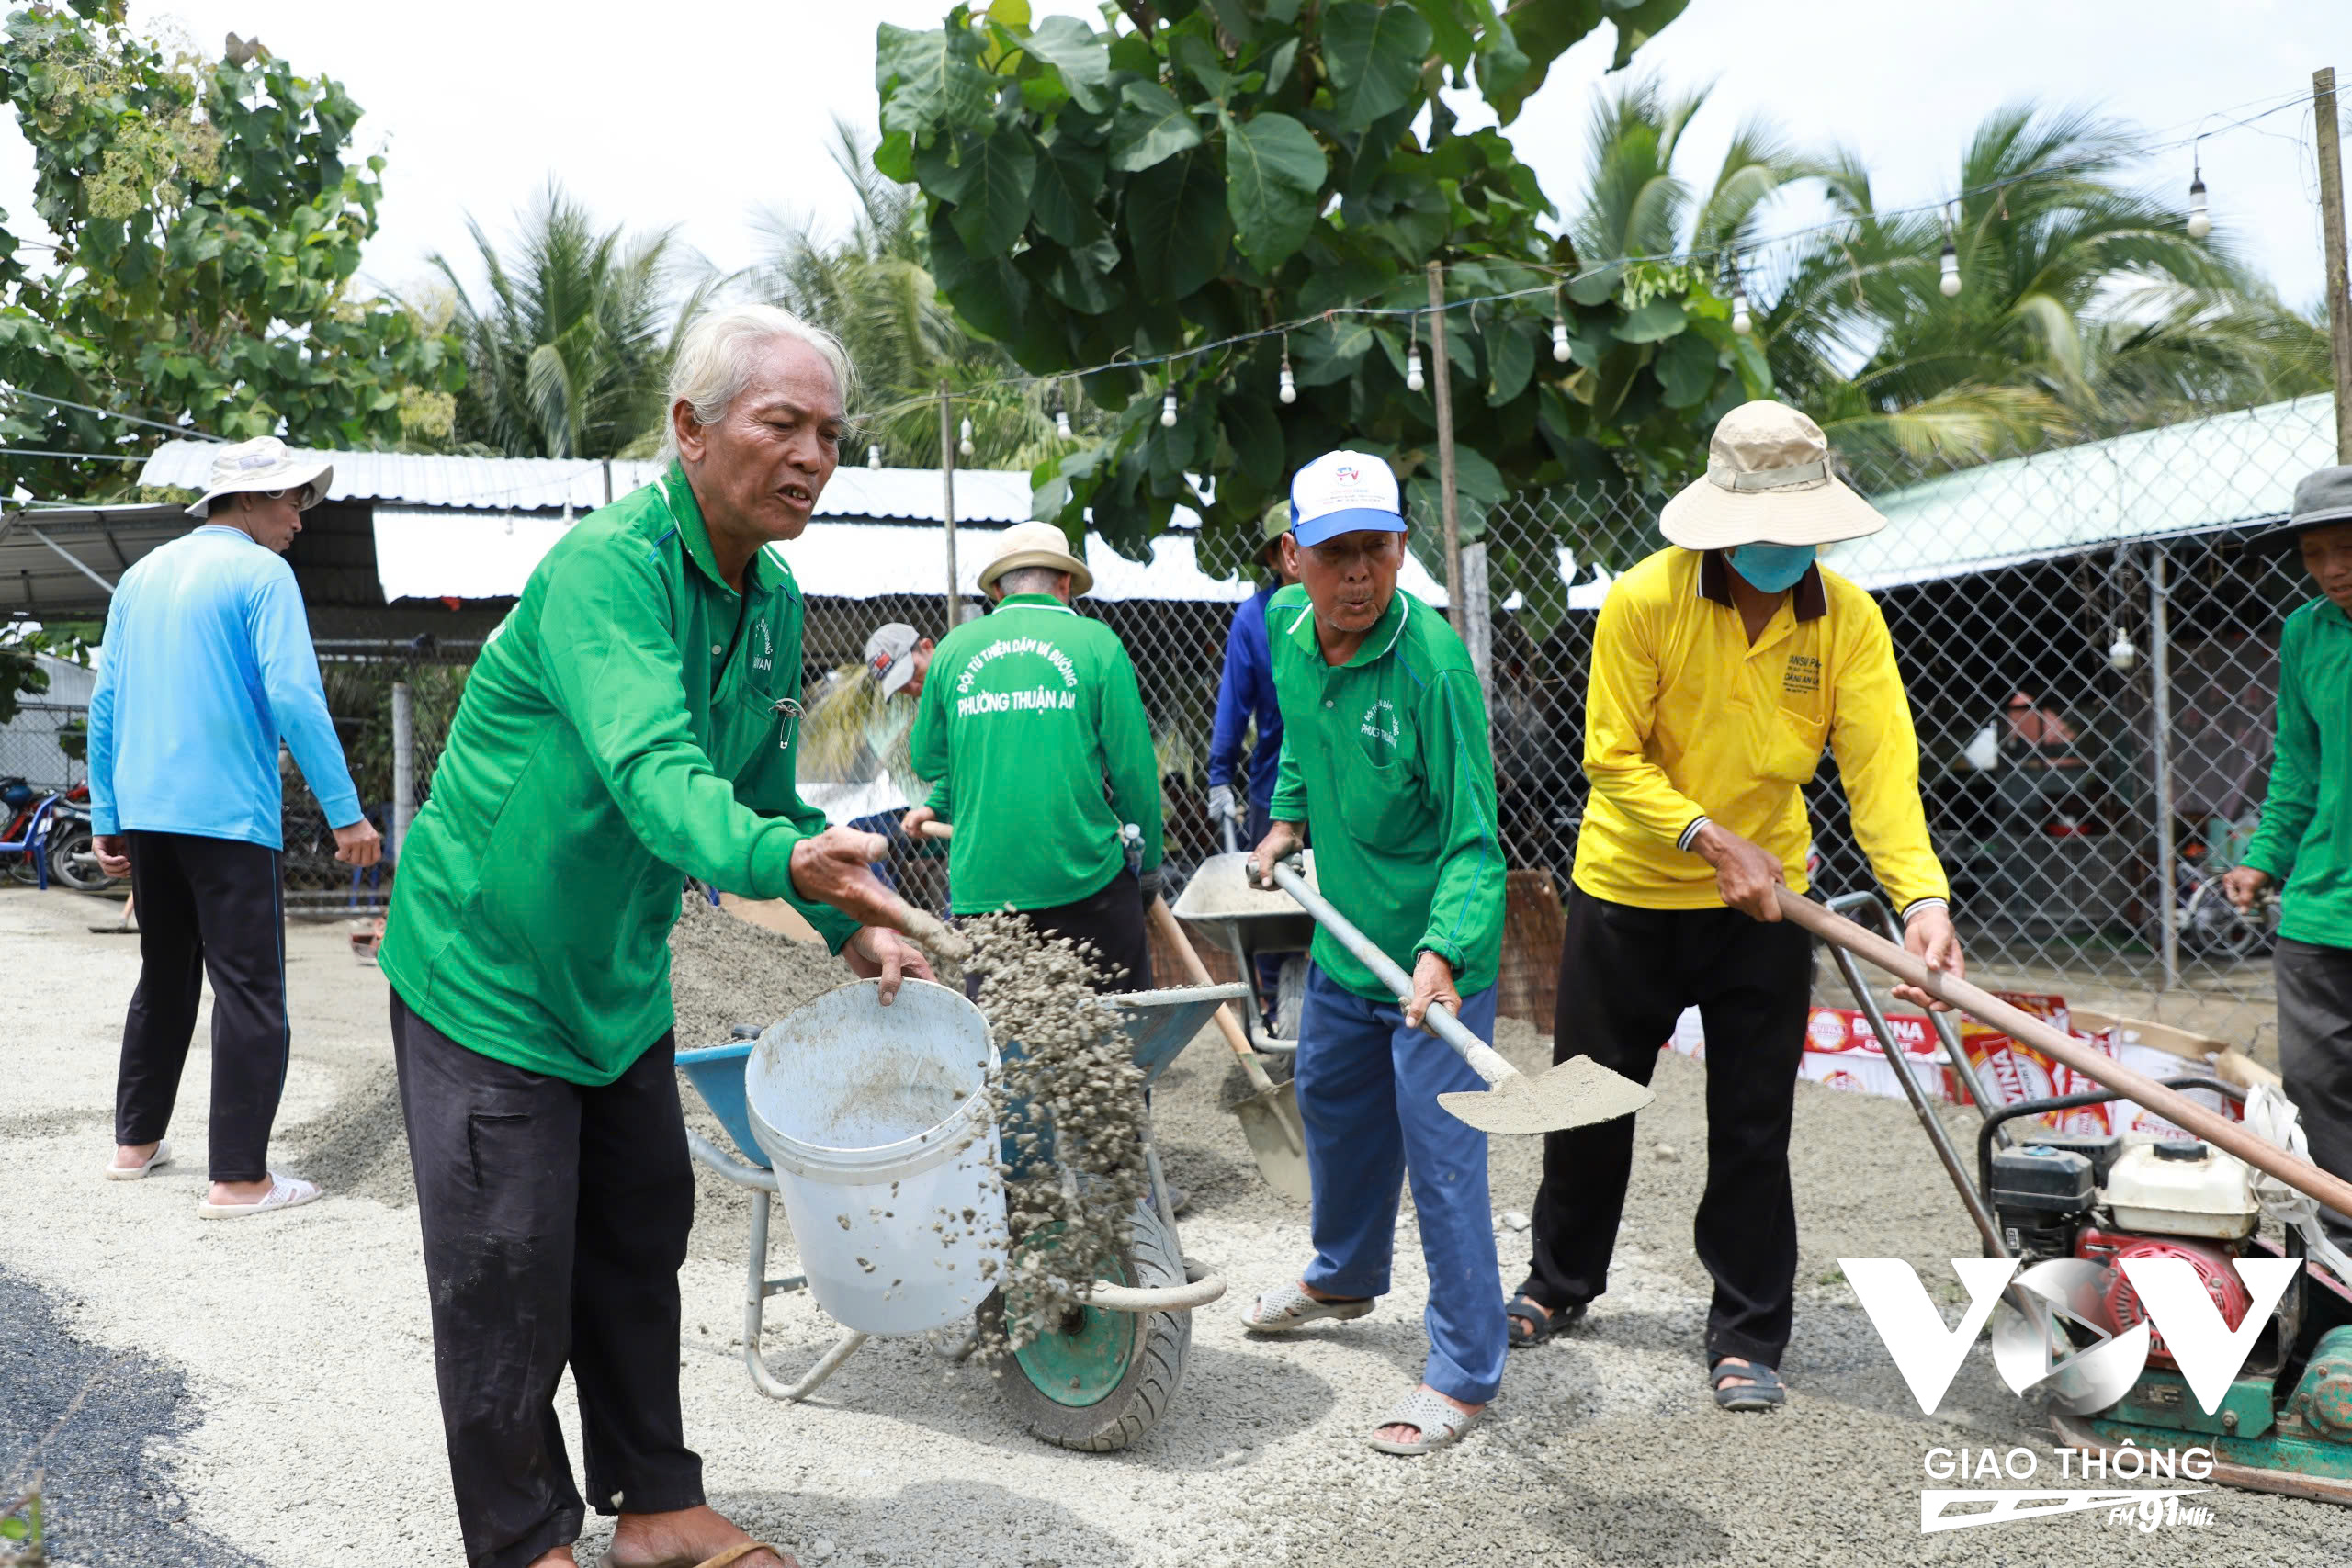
(878, 952)
(836, 867)
(358, 844)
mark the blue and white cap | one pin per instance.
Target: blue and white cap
(1341, 492)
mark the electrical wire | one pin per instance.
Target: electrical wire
(112, 413)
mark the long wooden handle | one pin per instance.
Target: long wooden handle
(2023, 1026)
(1197, 972)
(937, 829)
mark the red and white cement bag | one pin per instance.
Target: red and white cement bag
(1842, 1052)
(2011, 1072)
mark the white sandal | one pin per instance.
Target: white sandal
(1437, 1421)
(162, 1155)
(285, 1192)
(1280, 1311)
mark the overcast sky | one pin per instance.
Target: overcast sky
(698, 114)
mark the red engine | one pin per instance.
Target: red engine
(2122, 1302)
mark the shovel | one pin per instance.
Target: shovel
(1577, 1093)
(1269, 1116)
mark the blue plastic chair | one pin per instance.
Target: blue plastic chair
(31, 845)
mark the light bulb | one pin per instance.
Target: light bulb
(1741, 321)
(1061, 423)
(2121, 654)
(873, 456)
(2201, 221)
(1951, 284)
(964, 445)
(1288, 390)
(1168, 412)
(1414, 380)
(1559, 340)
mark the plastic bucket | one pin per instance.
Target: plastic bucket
(875, 1120)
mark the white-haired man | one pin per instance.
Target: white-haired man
(206, 665)
(634, 718)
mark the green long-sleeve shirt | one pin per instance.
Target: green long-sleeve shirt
(2305, 840)
(1386, 759)
(1033, 726)
(632, 722)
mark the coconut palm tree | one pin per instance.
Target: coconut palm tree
(568, 349)
(1638, 203)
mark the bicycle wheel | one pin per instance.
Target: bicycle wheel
(2211, 925)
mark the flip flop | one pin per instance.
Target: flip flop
(285, 1192)
(717, 1560)
(1766, 1393)
(1437, 1421)
(162, 1155)
(1281, 1310)
(1532, 1323)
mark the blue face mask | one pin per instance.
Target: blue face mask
(1771, 568)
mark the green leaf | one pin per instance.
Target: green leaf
(1686, 368)
(1061, 202)
(1374, 53)
(994, 208)
(1594, 285)
(1083, 278)
(1637, 24)
(990, 295)
(1274, 172)
(1176, 220)
(1510, 362)
(1654, 322)
(1082, 57)
(930, 81)
(1150, 126)
(1234, 16)
(1254, 428)
(1504, 69)
(894, 156)
(1452, 36)
(1331, 351)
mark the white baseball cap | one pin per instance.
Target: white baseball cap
(1342, 492)
(890, 655)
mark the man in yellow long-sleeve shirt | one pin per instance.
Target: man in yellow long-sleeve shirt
(1720, 668)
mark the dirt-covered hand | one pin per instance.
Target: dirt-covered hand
(2241, 885)
(1928, 935)
(1432, 982)
(1747, 876)
(836, 867)
(1282, 841)
(358, 844)
(878, 952)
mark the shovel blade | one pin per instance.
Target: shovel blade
(1278, 1140)
(1579, 1092)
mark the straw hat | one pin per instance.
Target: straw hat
(2322, 497)
(1034, 544)
(1769, 481)
(264, 464)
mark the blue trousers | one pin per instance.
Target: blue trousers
(1367, 1092)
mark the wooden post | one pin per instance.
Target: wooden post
(2331, 216)
(1441, 383)
(948, 504)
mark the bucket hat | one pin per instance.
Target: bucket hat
(1768, 481)
(1034, 544)
(2325, 496)
(264, 463)
(890, 655)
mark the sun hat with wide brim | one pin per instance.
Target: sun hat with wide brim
(1034, 544)
(262, 464)
(1769, 481)
(2325, 496)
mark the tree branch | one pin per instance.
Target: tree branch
(1141, 14)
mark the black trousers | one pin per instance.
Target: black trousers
(206, 906)
(555, 1220)
(1625, 976)
(1113, 922)
(2316, 1054)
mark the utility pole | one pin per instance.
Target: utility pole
(2331, 216)
(948, 504)
(1441, 383)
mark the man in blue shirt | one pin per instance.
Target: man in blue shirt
(206, 665)
(1245, 693)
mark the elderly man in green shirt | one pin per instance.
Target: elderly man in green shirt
(633, 722)
(2305, 838)
(1386, 756)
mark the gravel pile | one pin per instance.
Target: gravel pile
(724, 972)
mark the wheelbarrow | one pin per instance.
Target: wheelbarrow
(1219, 903)
(1096, 1381)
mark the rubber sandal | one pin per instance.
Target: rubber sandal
(1766, 1393)
(1532, 1323)
(162, 1155)
(1280, 1311)
(285, 1192)
(717, 1559)
(1437, 1421)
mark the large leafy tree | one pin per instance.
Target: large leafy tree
(567, 346)
(208, 223)
(1199, 170)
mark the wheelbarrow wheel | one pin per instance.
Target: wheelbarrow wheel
(1290, 997)
(1098, 1384)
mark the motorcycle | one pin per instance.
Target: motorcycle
(72, 844)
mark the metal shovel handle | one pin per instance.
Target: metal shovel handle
(1438, 1020)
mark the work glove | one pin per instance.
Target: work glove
(1221, 803)
(1148, 881)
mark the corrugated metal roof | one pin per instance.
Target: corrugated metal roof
(549, 484)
